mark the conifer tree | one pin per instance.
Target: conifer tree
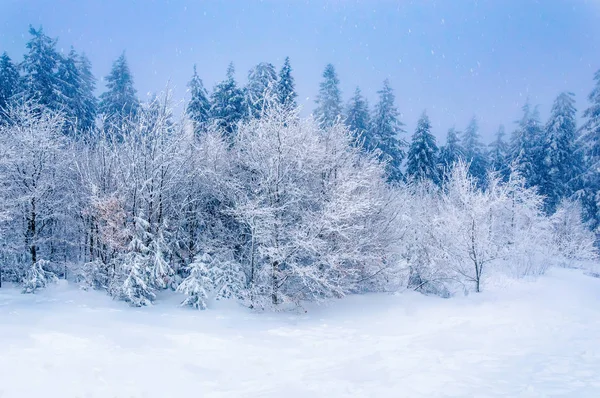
(590, 192)
(69, 81)
(262, 81)
(474, 152)
(40, 66)
(450, 153)
(422, 154)
(329, 99)
(526, 147)
(88, 107)
(562, 163)
(385, 132)
(120, 100)
(9, 82)
(359, 121)
(286, 88)
(499, 159)
(198, 109)
(227, 103)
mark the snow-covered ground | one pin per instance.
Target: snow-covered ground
(530, 339)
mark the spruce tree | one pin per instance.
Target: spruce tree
(385, 131)
(474, 152)
(227, 103)
(262, 81)
(88, 107)
(120, 101)
(329, 99)
(499, 159)
(40, 67)
(450, 153)
(358, 120)
(422, 154)
(286, 88)
(9, 83)
(526, 147)
(590, 192)
(69, 81)
(198, 109)
(562, 163)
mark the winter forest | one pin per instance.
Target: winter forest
(239, 196)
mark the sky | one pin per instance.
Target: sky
(453, 58)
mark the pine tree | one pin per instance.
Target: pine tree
(286, 88)
(526, 147)
(329, 99)
(227, 103)
(40, 67)
(562, 163)
(590, 139)
(474, 152)
(385, 132)
(88, 106)
(262, 81)
(198, 283)
(450, 153)
(421, 164)
(358, 120)
(499, 160)
(120, 101)
(198, 109)
(9, 82)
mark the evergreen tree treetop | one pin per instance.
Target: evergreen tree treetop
(286, 87)
(422, 154)
(198, 109)
(120, 99)
(329, 99)
(9, 81)
(358, 119)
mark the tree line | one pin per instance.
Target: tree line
(243, 198)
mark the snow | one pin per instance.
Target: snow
(524, 339)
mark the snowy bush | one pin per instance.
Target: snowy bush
(36, 277)
(572, 239)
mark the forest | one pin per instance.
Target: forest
(241, 197)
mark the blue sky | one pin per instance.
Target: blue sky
(455, 58)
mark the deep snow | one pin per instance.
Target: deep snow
(529, 339)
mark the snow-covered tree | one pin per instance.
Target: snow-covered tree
(40, 65)
(450, 153)
(88, 103)
(386, 128)
(527, 147)
(119, 102)
(422, 154)
(198, 108)
(262, 81)
(33, 192)
(562, 161)
(474, 152)
(9, 83)
(358, 120)
(590, 148)
(329, 100)
(286, 87)
(498, 154)
(198, 284)
(227, 103)
(572, 239)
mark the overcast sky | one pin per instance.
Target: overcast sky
(455, 58)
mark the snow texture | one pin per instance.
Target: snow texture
(520, 339)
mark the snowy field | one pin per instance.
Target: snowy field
(530, 339)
